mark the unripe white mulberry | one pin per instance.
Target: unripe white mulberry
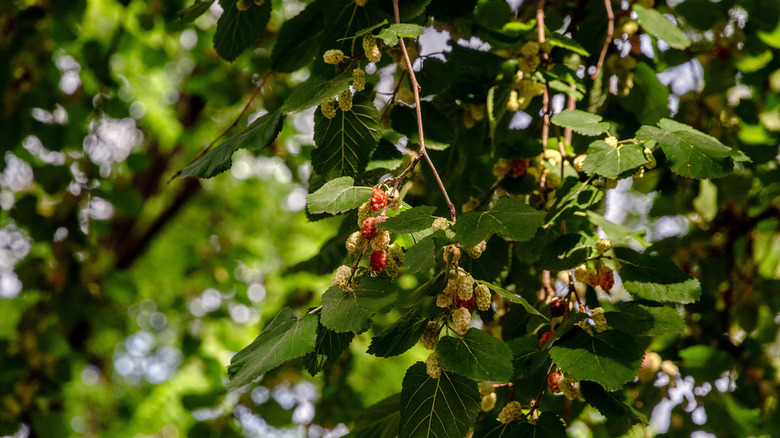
(345, 100)
(466, 287)
(334, 56)
(612, 141)
(361, 2)
(370, 48)
(477, 251)
(603, 245)
(358, 79)
(364, 211)
(570, 387)
(452, 251)
(391, 268)
(488, 402)
(578, 162)
(433, 365)
(530, 49)
(341, 278)
(483, 297)
(513, 104)
(461, 319)
(511, 412)
(328, 108)
(599, 320)
(355, 242)
(443, 300)
(440, 224)
(381, 240)
(430, 336)
(393, 202)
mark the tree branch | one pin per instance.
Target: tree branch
(610, 32)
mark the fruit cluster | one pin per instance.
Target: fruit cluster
(596, 275)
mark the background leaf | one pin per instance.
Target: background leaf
(286, 337)
(660, 27)
(409, 221)
(379, 420)
(580, 122)
(610, 162)
(315, 91)
(399, 336)
(656, 278)
(194, 11)
(327, 350)
(299, 39)
(640, 320)
(443, 407)
(565, 252)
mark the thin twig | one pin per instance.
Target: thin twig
(608, 40)
(571, 103)
(423, 152)
(203, 152)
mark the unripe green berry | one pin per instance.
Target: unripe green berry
(345, 100)
(461, 320)
(513, 104)
(603, 245)
(530, 49)
(364, 211)
(430, 336)
(488, 402)
(511, 412)
(358, 79)
(433, 365)
(334, 56)
(328, 108)
(477, 250)
(570, 388)
(371, 50)
(483, 297)
(599, 319)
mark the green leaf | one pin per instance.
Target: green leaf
(337, 196)
(690, 153)
(286, 337)
(609, 162)
(477, 355)
(237, 30)
(565, 252)
(194, 11)
(640, 320)
(564, 42)
(315, 91)
(445, 407)
(329, 347)
(298, 40)
(352, 311)
(705, 362)
(392, 34)
(509, 219)
(399, 336)
(656, 278)
(422, 256)
(573, 196)
(580, 122)
(610, 358)
(256, 137)
(660, 27)
(515, 299)
(379, 420)
(345, 142)
(611, 406)
(346, 19)
(409, 221)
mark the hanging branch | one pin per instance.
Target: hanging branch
(610, 31)
(423, 153)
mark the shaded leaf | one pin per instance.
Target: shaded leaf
(656, 278)
(549, 425)
(337, 196)
(611, 406)
(514, 298)
(610, 162)
(421, 256)
(477, 355)
(640, 320)
(327, 350)
(565, 252)
(238, 30)
(580, 122)
(298, 40)
(352, 311)
(286, 337)
(509, 219)
(345, 142)
(610, 358)
(443, 407)
(379, 420)
(616, 232)
(398, 336)
(648, 98)
(256, 137)
(315, 91)
(194, 11)
(572, 196)
(409, 221)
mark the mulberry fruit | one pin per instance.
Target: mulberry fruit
(345, 100)
(355, 242)
(371, 50)
(430, 336)
(378, 261)
(461, 319)
(333, 56)
(511, 412)
(380, 240)
(341, 278)
(483, 297)
(552, 382)
(328, 108)
(451, 252)
(358, 79)
(378, 199)
(368, 229)
(433, 365)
